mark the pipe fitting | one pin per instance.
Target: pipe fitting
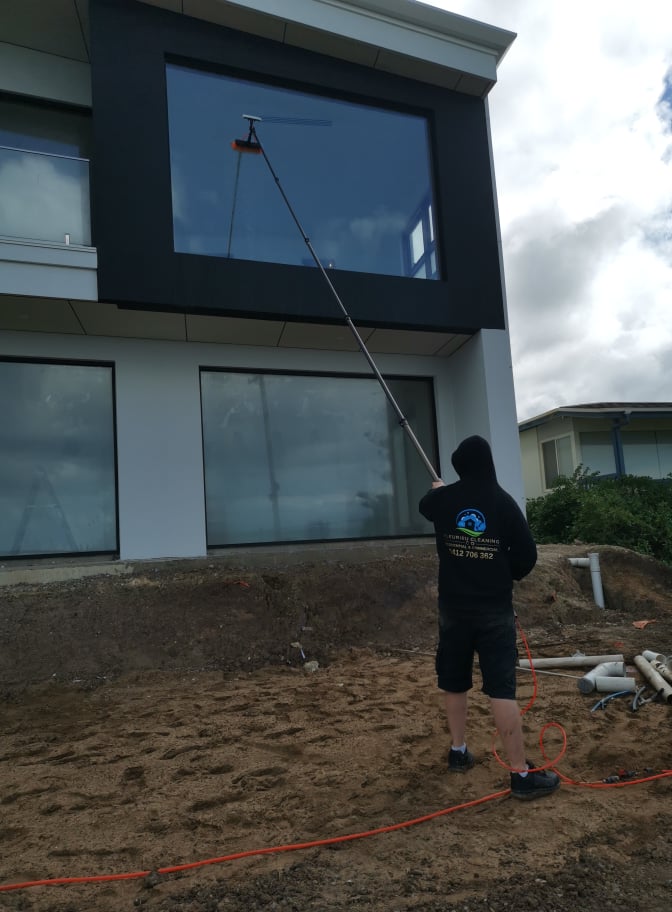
(605, 672)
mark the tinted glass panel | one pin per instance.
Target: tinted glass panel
(356, 176)
(640, 453)
(550, 462)
(664, 439)
(44, 173)
(57, 475)
(42, 128)
(564, 451)
(290, 458)
(44, 197)
(597, 452)
(557, 458)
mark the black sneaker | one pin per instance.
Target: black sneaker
(534, 785)
(459, 762)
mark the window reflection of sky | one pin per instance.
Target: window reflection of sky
(354, 174)
(44, 174)
(57, 485)
(311, 457)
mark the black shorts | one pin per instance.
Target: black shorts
(492, 637)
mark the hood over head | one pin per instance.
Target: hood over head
(472, 460)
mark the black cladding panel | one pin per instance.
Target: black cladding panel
(132, 216)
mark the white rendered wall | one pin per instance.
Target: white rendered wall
(501, 402)
(481, 379)
(159, 444)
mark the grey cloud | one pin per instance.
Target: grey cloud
(589, 370)
(549, 266)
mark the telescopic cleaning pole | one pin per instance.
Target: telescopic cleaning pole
(252, 144)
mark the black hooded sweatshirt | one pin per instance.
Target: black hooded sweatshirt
(482, 538)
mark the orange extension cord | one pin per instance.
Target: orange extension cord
(297, 846)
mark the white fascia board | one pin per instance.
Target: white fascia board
(42, 270)
(401, 26)
(46, 253)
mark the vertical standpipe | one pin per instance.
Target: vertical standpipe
(592, 561)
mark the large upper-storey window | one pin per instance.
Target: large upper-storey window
(44, 172)
(357, 176)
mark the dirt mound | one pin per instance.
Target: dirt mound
(169, 719)
(205, 616)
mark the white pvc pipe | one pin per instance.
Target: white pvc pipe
(592, 561)
(614, 685)
(652, 656)
(587, 683)
(596, 577)
(578, 661)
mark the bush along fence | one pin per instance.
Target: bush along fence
(632, 511)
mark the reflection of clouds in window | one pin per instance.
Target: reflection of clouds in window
(44, 198)
(354, 174)
(417, 244)
(179, 192)
(57, 486)
(372, 228)
(286, 456)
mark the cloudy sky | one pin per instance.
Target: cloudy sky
(582, 134)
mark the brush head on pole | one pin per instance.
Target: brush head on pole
(246, 145)
(251, 144)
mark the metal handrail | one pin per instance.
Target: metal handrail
(47, 154)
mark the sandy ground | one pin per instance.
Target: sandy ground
(128, 749)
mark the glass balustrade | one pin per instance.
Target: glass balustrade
(44, 197)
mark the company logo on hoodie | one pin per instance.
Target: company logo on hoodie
(471, 522)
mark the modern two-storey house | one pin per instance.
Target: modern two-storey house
(176, 375)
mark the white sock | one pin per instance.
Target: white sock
(462, 749)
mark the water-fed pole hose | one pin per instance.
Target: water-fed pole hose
(252, 144)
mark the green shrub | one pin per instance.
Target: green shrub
(552, 517)
(633, 511)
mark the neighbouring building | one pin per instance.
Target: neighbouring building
(610, 438)
(175, 376)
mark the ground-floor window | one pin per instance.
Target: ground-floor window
(298, 457)
(557, 459)
(57, 463)
(647, 453)
(597, 452)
